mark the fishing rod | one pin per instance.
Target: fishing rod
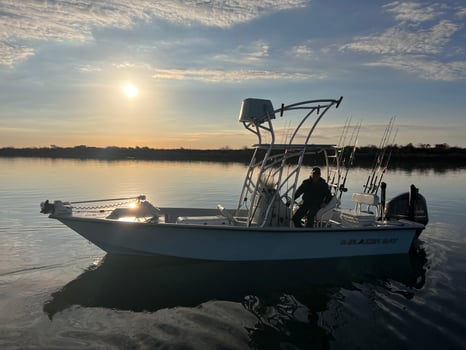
(337, 161)
(344, 133)
(374, 174)
(385, 167)
(348, 161)
(353, 141)
(381, 169)
(377, 160)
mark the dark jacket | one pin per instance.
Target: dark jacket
(314, 193)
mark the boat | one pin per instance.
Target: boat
(261, 228)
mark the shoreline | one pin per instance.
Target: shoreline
(400, 156)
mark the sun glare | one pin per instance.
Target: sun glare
(130, 90)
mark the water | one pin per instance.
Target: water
(58, 291)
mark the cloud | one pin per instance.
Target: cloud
(426, 69)
(461, 12)
(86, 68)
(412, 11)
(251, 53)
(27, 21)
(397, 40)
(417, 43)
(11, 53)
(233, 76)
(302, 51)
(219, 13)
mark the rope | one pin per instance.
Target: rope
(101, 206)
(139, 198)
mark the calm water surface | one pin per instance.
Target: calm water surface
(58, 291)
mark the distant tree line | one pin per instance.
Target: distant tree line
(121, 153)
(422, 155)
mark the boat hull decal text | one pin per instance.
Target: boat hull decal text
(368, 241)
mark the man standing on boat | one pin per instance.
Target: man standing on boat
(315, 196)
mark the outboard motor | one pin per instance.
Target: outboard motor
(410, 206)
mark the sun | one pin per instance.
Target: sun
(130, 90)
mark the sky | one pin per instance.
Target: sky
(172, 74)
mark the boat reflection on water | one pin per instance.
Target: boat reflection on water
(150, 284)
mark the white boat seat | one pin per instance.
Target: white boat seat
(357, 217)
(364, 199)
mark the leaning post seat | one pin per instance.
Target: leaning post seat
(358, 216)
(364, 199)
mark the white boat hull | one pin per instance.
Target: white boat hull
(230, 243)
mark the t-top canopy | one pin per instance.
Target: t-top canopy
(256, 110)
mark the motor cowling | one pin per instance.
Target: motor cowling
(409, 205)
(47, 207)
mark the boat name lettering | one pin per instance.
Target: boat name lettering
(368, 241)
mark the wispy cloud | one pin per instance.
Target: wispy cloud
(417, 43)
(218, 13)
(426, 69)
(398, 40)
(233, 76)
(252, 53)
(24, 22)
(413, 11)
(302, 51)
(86, 68)
(461, 12)
(11, 53)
